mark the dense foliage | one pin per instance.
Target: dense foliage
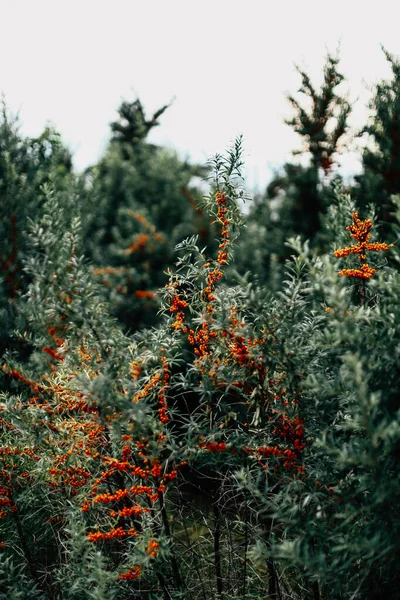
(244, 446)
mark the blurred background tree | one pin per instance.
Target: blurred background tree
(380, 178)
(298, 196)
(138, 202)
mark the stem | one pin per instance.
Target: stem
(272, 593)
(316, 591)
(230, 574)
(273, 584)
(246, 542)
(161, 580)
(27, 553)
(363, 290)
(217, 551)
(167, 530)
(190, 545)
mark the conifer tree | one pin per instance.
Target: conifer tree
(132, 126)
(298, 196)
(322, 125)
(381, 158)
(138, 202)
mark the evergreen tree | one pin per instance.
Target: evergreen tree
(381, 158)
(299, 195)
(322, 125)
(132, 126)
(138, 202)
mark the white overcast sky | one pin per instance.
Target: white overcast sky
(227, 63)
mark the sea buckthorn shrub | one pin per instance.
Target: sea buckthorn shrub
(347, 529)
(25, 165)
(246, 447)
